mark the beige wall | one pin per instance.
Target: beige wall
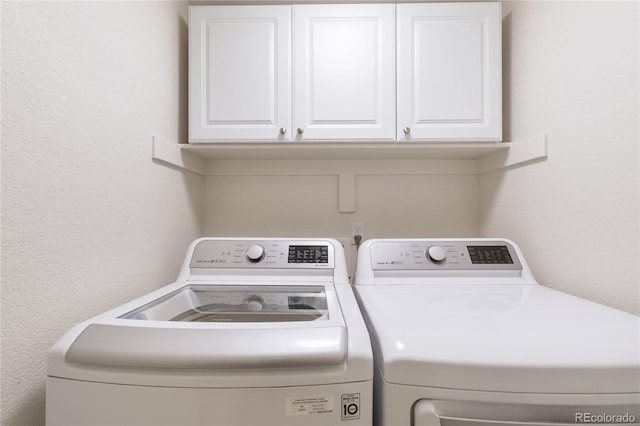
(388, 205)
(571, 71)
(88, 220)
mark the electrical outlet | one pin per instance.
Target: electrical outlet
(357, 228)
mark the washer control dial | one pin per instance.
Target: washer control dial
(255, 253)
(436, 254)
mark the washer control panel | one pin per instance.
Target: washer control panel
(443, 255)
(298, 254)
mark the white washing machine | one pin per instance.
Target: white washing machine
(463, 335)
(253, 332)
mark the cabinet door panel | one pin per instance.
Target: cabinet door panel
(240, 80)
(239, 76)
(344, 72)
(448, 76)
(449, 71)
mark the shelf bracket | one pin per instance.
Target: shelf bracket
(171, 154)
(518, 153)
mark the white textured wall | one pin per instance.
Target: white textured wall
(88, 220)
(571, 71)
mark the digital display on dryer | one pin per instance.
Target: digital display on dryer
(308, 254)
(483, 255)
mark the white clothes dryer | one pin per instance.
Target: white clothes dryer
(463, 335)
(253, 332)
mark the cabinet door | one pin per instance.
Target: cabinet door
(344, 74)
(449, 72)
(239, 73)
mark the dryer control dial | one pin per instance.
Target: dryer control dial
(255, 253)
(436, 254)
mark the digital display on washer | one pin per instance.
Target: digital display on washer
(308, 254)
(483, 255)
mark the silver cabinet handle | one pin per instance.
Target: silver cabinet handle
(300, 131)
(406, 130)
(283, 131)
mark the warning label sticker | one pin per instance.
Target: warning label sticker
(310, 405)
(350, 406)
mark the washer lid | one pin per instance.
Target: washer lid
(501, 338)
(213, 326)
(151, 347)
(233, 303)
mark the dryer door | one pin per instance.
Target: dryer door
(427, 412)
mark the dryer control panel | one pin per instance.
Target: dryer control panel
(297, 254)
(443, 255)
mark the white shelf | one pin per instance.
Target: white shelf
(349, 157)
(347, 160)
(343, 151)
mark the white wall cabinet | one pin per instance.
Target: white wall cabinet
(331, 73)
(239, 73)
(449, 72)
(344, 72)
